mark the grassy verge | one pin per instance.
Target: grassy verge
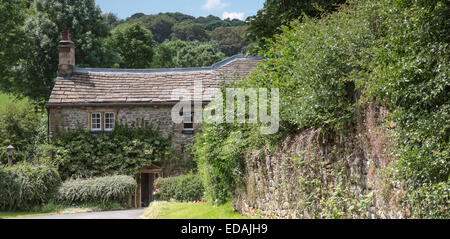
(176, 210)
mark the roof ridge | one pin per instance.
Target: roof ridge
(214, 67)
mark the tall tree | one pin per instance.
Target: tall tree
(12, 38)
(135, 44)
(276, 13)
(44, 27)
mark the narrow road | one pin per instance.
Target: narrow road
(121, 214)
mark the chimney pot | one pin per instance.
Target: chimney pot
(66, 35)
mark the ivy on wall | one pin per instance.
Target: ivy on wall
(123, 151)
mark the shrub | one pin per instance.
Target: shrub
(181, 188)
(25, 128)
(25, 186)
(81, 154)
(167, 187)
(97, 190)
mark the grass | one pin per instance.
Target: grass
(6, 99)
(177, 210)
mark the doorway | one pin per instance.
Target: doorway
(147, 180)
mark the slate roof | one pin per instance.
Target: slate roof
(94, 86)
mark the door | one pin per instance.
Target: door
(147, 188)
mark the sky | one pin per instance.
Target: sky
(239, 9)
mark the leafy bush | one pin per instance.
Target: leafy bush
(97, 190)
(123, 151)
(24, 127)
(167, 187)
(409, 73)
(25, 186)
(181, 188)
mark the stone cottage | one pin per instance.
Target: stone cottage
(97, 100)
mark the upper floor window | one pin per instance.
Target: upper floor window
(109, 121)
(96, 121)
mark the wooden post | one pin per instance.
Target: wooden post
(130, 200)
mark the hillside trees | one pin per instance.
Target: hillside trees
(189, 31)
(135, 44)
(170, 26)
(177, 53)
(229, 39)
(160, 25)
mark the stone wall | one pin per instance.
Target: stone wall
(315, 175)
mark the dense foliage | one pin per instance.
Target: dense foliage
(276, 13)
(391, 52)
(182, 188)
(97, 190)
(123, 151)
(189, 31)
(12, 37)
(177, 53)
(24, 127)
(230, 39)
(163, 25)
(135, 44)
(43, 27)
(410, 72)
(25, 186)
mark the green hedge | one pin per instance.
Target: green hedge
(97, 190)
(25, 186)
(181, 188)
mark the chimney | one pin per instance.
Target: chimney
(66, 54)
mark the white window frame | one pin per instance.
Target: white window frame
(92, 123)
(113, 123)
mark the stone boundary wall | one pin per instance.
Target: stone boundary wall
(311, 175)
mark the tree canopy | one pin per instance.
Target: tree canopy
(230, 39)
(177, 53)
(12, 38)
(39, 63)
(277, 13)
(189, 31)
(135, 44)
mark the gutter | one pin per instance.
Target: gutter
(75, 104)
